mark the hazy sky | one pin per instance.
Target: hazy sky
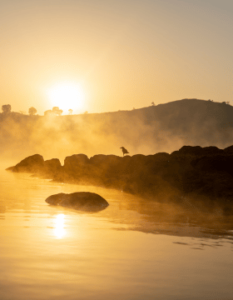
(124, 54)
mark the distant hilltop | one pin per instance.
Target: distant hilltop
(157, 128)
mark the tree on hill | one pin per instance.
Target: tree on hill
(57, 111)
(6, 109)
(32, 111)
(54, 111)
(48, 112)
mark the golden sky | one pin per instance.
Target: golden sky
(121, 54)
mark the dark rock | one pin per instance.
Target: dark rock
(31, 164)
(198, 151)
(105, 164)
(217, 163)
(84, 201)
(190, 150)
(212, 150)
(107, 160)
(206, 172)
(162, 156)
(75, 168)
(10, 169)
(52, 166)
(75, 160)
(229, 150)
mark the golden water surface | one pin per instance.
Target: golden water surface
(123, 252)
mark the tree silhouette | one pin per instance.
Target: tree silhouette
(48, 112)
(57, 111)
(32, 111)
(6, 109)
(70, 111)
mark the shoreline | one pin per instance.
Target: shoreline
(204, 175)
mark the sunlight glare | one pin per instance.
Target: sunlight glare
(59, 230)
(66, 95)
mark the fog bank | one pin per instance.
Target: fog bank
(161, 128)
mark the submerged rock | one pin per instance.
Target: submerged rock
(84, 201)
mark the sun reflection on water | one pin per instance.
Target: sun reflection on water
(59, 230)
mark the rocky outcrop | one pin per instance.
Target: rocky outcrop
(83, 201)
(35, 164)
(202, 173)
(52, 166)
(31, 164)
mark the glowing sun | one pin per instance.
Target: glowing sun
(66, 96)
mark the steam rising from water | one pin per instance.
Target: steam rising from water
(162, 128)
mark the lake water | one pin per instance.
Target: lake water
(131, 250)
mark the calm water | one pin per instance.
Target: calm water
(128, 251)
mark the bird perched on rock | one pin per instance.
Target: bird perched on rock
(124, 150)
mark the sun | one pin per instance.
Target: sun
(66, 95)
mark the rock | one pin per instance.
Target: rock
(106, 166)
(229, 150)
(75, 167)
(198, 151)
(162, 156)
(190, 150)
(84, 201)
(75, 161)
(206, 172)
(31, 164)
(217, 164)
(52, 166)
(212, 150)
(101, 159)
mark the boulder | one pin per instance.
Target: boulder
(160, 157)
(83, 201)
(212, 150)
(198, 151)
(31, 164)
(52, 166)
(76, 168)
(105, 160)
(216, 164)
(190, 150)
(76, 160)
(106, 165)
(229, 150)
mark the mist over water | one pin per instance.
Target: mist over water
(169, 250)
(55, 253)
(124, 220)
(162, 128)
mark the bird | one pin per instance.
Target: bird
(124, 150)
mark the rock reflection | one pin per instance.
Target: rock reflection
(172, 219)
(59, 230)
